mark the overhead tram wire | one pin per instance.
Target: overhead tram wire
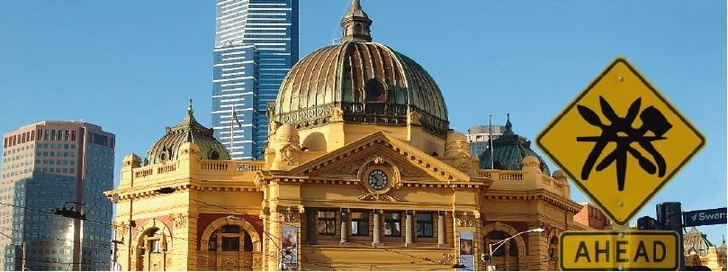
(333, 38)
(268, 234)
(46, 261)
(37, 235)
(305, 229)
(108, 246)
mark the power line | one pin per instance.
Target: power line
(305, 229)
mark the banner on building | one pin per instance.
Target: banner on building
(466, 258)
(289, 249)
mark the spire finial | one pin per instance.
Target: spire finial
(190, 111)
(508, 122)
(356, 24)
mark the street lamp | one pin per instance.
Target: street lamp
(502, 242)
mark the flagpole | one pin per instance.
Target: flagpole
(490, 140)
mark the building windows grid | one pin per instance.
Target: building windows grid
(359, 223)
(424, 225)
(393, 224)
(326, 223)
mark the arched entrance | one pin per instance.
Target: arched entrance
(153, 247)
(507, 256)
(228, 244)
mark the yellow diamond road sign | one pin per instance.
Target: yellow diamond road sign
(620, 141)
(611, 250)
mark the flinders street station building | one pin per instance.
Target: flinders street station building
(361, 172)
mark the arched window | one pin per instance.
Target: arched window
(153, 241)
(375, 91)
(229, 238)
(494, 237)
(214, 155)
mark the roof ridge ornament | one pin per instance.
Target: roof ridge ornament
(509, 126)
(190, 111)
(356, 24)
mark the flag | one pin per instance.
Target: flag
(235, 117)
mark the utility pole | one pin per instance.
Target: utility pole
(22, 261)
(75, 212)
(116, 252)
(670, 215)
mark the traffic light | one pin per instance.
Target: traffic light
(670, 215)
(649, 223)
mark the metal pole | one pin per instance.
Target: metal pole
(490, 252)
(22, 247)
(502, 242)
(490, 141)
(116, 252)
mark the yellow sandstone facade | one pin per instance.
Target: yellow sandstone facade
(319, 195)
(361, 172)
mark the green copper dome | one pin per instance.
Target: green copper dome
(509, 150)
(367, 81)
(187, 131)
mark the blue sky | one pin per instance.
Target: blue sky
(131, 66)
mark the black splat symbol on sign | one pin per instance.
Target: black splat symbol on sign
(620, 131)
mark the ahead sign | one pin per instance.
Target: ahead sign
(612, 250)
(620, 141)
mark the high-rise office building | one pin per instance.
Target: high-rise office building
(256, 44)
(55, 166)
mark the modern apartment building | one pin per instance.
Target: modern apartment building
(256, 44)
(56, 165)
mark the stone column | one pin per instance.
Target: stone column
(537, 248)
(441, 229)
(311, 227)
(377, 233)
(408, 228)
(344, 221)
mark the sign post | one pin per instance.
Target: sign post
(620, 141)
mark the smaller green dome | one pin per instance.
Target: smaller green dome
(187, 131)
(509, 150)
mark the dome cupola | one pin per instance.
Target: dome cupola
(360, 81)
(509, 151)
(187, 131)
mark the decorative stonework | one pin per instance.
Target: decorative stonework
(257, 261)
(447, 258)
(351, 168)
(122, 230)
(409, 171)
(336, 115)
(413, 118)
(272, 126)
(464, 219)
(291, 214)
(366, 195)
(179, 220)
(289, 155)
(464, 162)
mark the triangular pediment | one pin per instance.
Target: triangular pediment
(413, 164)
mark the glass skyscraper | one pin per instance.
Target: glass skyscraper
(51, 165)
(256, 43)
